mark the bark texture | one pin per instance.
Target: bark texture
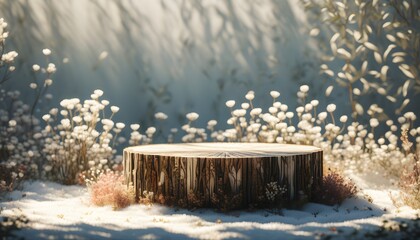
(223, 175)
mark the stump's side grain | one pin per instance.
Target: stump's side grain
(216, 181)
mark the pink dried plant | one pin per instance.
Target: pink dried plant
(109, 189)
(334, 189)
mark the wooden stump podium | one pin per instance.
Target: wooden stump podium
(223, 175)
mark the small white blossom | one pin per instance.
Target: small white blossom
(46, 117)
(250, 95)
(331, 107)
(343, 119)
(256, 111)
(329, 90)
(212, 123)
(114, 109)
(161, 116)
(322, 116)
(245, 106)
(150, 130)
(12, 123)
(135, 127)
(304, 88)
(230, 103)
(315, 103)
(51, 68)
(374, 122)
(48, 82)
(192, 116)
(274, 94)
(46, 51)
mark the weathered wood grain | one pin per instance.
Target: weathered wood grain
(221, 174)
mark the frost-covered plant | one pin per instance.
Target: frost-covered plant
(369, 46)
(10, 178)
(10, 225)
(7, 58)
(80, 137)
(109, 189)
(20, 137)
(410, 178)
(334, 189)
(351, 145)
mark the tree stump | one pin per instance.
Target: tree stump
(223, 175)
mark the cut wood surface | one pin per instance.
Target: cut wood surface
(214, 174)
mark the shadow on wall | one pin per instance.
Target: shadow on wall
(171, 56)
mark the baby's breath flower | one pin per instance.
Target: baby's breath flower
(161, 116)
(291, 129)
(77, 119)
(212, 123)
(274, 94)
(46, 51)
(290, 115)
(239, 112)
(374, 122)
(304, 88)
(322, 116)
(135, 127)
(250, 95)
(331, 107)
(9, 57)
(329, 90)
(12, 123)
(98, 92)
(343, 119)
(230, 103)
(284, 107)
(48, 82)
(114, 109)
(107, 122)
(245, 106)
(46, 117)
(256, 111)
(65, 122)
(51, 68)
(192, 116)
(314, 103)
(150, 130)
(300, 109)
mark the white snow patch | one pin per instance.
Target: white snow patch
(57, 212)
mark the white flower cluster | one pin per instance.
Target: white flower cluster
(3, 33)
(193, 134)
(345, 144)
(78, 139)
(273, 191)
(7, 58)
(136, 138)
(19, 135)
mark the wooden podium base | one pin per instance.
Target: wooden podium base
(223, 175)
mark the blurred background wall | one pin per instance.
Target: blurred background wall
(170, 56)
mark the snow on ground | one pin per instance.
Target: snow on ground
(64, 212)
